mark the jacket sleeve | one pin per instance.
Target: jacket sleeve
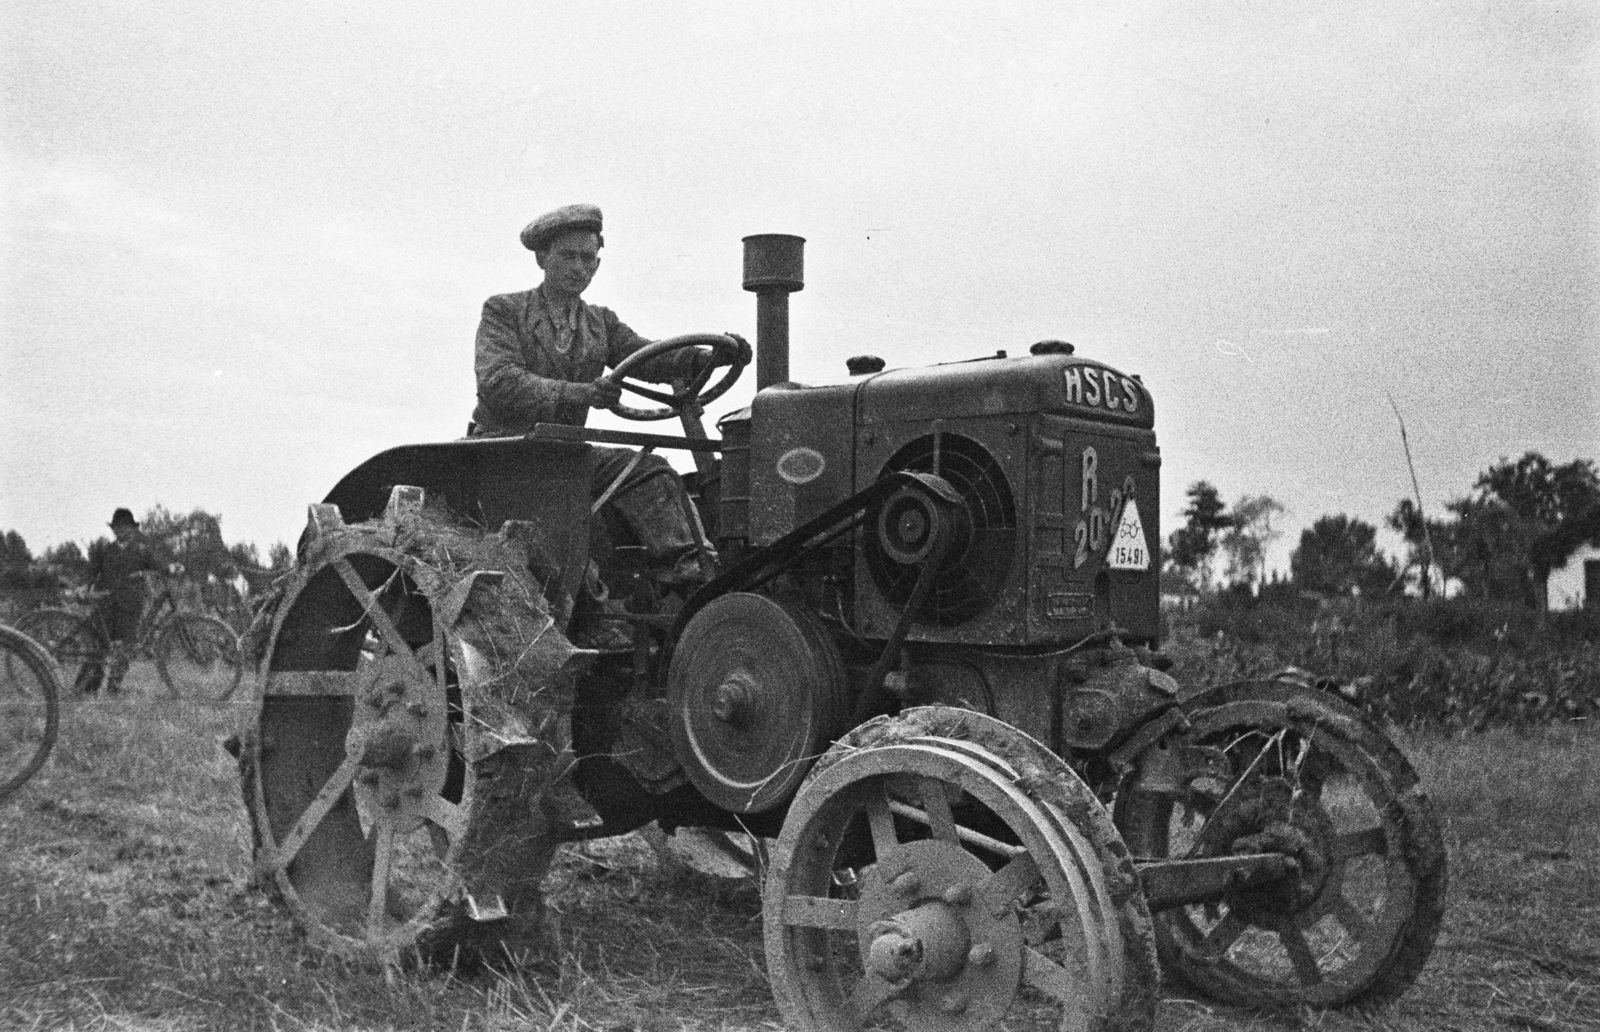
(97, 565)
(515, 394)
(622, 342)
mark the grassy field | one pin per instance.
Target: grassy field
(124, 905)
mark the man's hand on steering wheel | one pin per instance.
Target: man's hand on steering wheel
(725, 350)
(739, 355)
(601, 393)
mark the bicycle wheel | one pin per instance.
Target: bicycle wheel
(70, 639)
(30, 689)
(198, 658)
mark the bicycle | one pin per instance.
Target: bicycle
(30, 715)
(197, 655)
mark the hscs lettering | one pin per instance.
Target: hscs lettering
(1101, 388)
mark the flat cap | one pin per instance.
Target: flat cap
(552, 224)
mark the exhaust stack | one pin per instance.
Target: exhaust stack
(774, 268)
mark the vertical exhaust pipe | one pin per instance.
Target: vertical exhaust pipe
(774, 268)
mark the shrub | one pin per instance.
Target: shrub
(1456, 664)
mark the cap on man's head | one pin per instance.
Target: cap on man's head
(123, 518)
(537, 234)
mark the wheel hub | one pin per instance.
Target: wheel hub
(951, 956)
(397, 739)
(1279, 820)
(928, 942)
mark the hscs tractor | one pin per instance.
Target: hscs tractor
(928, 666)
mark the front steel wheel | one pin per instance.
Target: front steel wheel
(1279, 769)
(942, 871)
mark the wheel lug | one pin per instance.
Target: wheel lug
(958, 895)
(953, 1004)
(981, 955)
(907, 883)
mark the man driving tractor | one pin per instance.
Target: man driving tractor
(542, 356)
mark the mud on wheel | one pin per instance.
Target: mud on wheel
(943, 871)
(1273, 768)
(411, 732)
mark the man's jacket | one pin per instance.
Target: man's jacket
(531, 355)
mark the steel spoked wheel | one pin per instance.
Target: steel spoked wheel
(1297, 772)
(382, 714)
(198, 657)
(30, 689)
(72, 640)
(941, 870)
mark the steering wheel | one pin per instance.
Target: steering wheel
(695, 390)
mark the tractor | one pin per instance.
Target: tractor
(927, 672)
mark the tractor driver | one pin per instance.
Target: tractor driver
(541, 358)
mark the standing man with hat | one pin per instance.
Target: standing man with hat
(117, 569)
(541, 357)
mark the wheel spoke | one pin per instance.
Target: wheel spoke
(1009, 883)
(387, 631)
(449, 817)
(1351, 919)
(1300, 955)
(382, 858)
(647, 392)
(313, 815)
(838, 915)
(1056, 982)
(1218, 941)
(967, 835)
(1369, 842)
(312, 682)
(884, 840)
(937, 805)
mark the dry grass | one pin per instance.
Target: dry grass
(123, 906)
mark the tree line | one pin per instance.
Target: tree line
(1496, 542)
(190, 542)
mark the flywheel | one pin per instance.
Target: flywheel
(758, 692)
(406, 777)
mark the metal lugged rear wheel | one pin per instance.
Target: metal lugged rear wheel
(198, 657)
(1296, 771)
(30, 690)
(943, 871)
(400, 780)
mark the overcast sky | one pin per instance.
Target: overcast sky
(245, 246)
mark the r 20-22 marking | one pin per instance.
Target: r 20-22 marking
(1089, 535)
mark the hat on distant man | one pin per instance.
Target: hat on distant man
(123, 518)
(538, 233)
